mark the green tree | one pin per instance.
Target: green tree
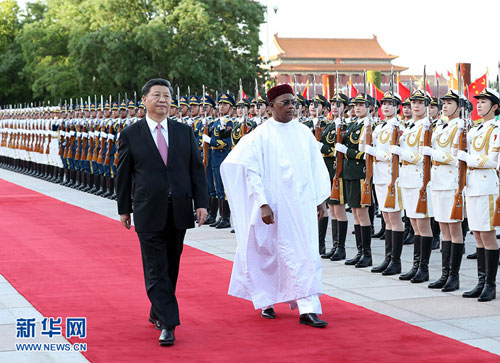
(86, 47)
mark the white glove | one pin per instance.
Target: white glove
(338, 122)
(315, 121)
(427, 123)
(367, 122)
(222, 124)
(427, 151)
(394, 122)
(462, 156)
(258, 120)
(341, 148)
(206, 138)
(189, 122)
(396, 150)
(370, 150)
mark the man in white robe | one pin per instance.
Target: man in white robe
(276, 182)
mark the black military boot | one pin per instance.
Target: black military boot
(394, 266)
(366, 253)
(77, 179)
(334, 241)
(226, 216)
(102, 186)
(357, 233)
(107, 192)
(322, 228)
(490, 288)
(212, 215)
(112, 190)
(83, 181)
(445, 266)
(219, 202)
(453, 282)
(409, 233)
(422, 274)
(339, 254)
(382, 230)
(60, 175)
(416, 259)
(436, 231)
(481, 275)
(72, 178)
(388, 252)
(94, 183)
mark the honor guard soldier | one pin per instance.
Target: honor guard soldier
(385, 181)
(194, 105)
(174, 109)
(260, 104)
(219, 148)
(132, 114)
(339, 103)
(141, 110)
(444, 176)
(483, 145)
(353, 176)
(317, 108)
(411, 181)
(242, 108)
(184, 111)
(407, 114)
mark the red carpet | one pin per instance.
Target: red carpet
(71, 262)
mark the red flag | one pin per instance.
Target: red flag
(304, 93)
(428, 88)
(353, 92)
(378, 94)
(475, 88)
(437, 76)
(403, 91)
(243, 94)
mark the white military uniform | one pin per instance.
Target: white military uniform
(482, 181)
(382, 166)
(412, 171)
(444, 171)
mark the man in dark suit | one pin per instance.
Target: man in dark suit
(160, 163)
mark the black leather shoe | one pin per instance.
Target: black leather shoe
(312, 319)
(223, 224)
(155, 322)
(167, 337)
(268, 313)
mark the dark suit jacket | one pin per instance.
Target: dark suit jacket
(184, 176)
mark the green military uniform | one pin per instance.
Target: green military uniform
(353, 167)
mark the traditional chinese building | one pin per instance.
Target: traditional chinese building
(319, 59)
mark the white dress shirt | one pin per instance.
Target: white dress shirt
(152, 128)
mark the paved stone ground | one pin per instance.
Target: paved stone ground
(448, 314)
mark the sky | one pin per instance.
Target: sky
(437, 33)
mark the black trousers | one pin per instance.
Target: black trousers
(161, 253)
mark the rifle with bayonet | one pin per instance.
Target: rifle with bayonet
(390, 199)
(338, 155)
(317, 126)
(366, 192)
(457, 212)
(244, 110)
(422, 198)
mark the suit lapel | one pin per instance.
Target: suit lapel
(148, 138)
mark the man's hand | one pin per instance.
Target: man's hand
(201, 216)
(267, 214)
(125, 220)
(321, 210)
